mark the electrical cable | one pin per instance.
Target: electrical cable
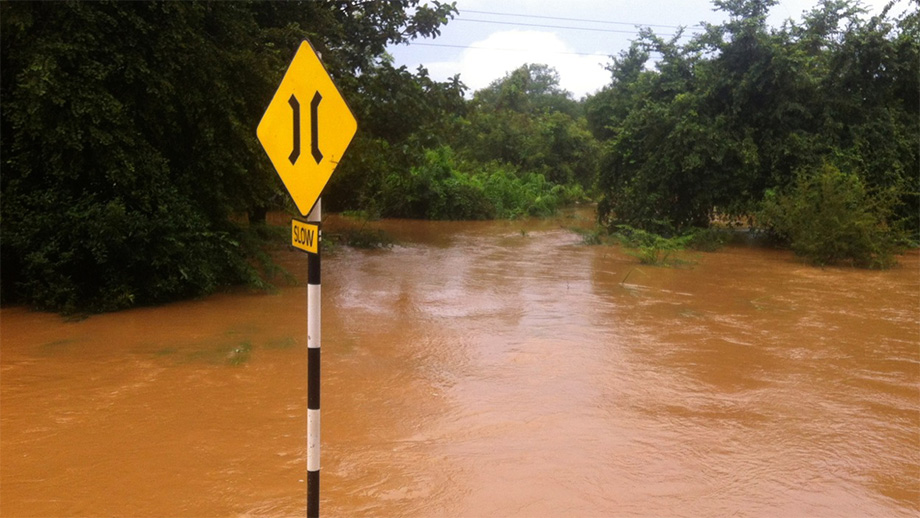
(522, 24)
(501, 49)
(535, 16)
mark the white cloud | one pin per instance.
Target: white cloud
(501, 52)
(560, 48)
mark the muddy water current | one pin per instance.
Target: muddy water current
(484, 370)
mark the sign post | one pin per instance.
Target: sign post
(314, 296)
(307, 104)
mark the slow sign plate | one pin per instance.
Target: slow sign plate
(305, 236)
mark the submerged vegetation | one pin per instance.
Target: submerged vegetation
(360, 237)
(657, 250)
(653, 249)
(808, 131)
(829, 217)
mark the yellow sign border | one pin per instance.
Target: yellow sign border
(306, 128)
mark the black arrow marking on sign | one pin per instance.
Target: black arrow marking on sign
(314, 127)
(296, 107)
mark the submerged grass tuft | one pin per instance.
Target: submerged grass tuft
(653, 249)
(365, 238)
(282, 343)
(596, 235)
(235, 354)
(240, 354)
(58, 343)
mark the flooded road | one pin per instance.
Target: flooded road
(482, 369)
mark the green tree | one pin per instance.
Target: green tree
(402, 114)
(128, 140)
(530, 89)
(527, 120)
(517, 148)
(738, 110)
(829, 217)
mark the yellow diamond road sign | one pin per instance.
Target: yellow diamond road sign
(306, 128)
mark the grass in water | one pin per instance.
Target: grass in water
(58, 343)
(360, 237)
(240, 354)
(653, 249)
(282, 343)
(233, 354)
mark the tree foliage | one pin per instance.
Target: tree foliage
(401, 115)
(518, 147)
(128, 140)
(527, 120)
(829, 217)
(741, 109)
(444, 187)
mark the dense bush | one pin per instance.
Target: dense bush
(650, 248)
(443, 188)
(120, 169)
(829, 217)
(521, 147)
(709, 239)
(733, 112)
(128, 138)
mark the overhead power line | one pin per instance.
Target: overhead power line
(560, 18)
(546, 26)
(503, 50)
(596, 54)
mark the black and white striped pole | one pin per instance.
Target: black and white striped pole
(313, 364)
(282, 133)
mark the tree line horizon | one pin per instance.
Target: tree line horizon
(129, 151)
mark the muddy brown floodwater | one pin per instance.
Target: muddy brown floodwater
(485, 370)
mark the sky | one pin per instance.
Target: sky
(489, 38)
